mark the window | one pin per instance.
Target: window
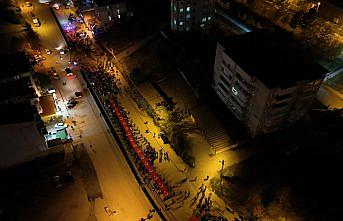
(188, 9)
(174, 22)
(202, 25)
(181, 23)
(222, 87)
(188, 16)
(109, 18)
(203, 20)
(234, 91)
(222, 78)
(181, 9)
(208, 18)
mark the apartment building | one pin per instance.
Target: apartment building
(110, 11)
(192, 15)
(264, 80)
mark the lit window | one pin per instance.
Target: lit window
(109, 18)
(174, 22)
(188, 8)
(119, 16)
(181, 9)
(188, 16)
(202, 25)
(208, 18)
(234, 91)
(181, 23)
(203, 20)
(187, 28)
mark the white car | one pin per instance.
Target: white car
(48, 51)
(61, 124)
(56, 6)
(62, 51)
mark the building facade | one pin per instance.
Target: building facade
(263, 82)
(189, 15)
(101, 15)
(20, 133)
(110, 12)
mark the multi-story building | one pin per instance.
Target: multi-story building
(189, 15)
(265, 80)
(102, 14)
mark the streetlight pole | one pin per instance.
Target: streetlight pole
(221, 176)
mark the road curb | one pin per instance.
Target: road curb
(60, 27)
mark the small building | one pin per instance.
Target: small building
(20, 134)
(48, 107)
(191, 15)
(265, 80)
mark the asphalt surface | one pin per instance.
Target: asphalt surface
(120, 190)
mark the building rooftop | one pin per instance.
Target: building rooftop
(108, 2)
(271, 57)
(15, 89)
(14, 64)
(48, 105)
(17, 113)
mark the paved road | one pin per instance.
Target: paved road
(121, 192)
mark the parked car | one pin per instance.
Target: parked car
(78, 94)
(48, 51)
(62, 51)
(61, 125)
(56, 6)
(28, 4)
(36, 22)
(39, 57)
(69, 72)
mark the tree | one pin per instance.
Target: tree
(177, 126)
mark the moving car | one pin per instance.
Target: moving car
(56, 77)
(69, 72)
(36, 22)
(39, 57)
(48, 51)
(62, 51)
(56, 6)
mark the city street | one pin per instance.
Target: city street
(115, 177)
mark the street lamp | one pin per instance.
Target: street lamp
(221, 171)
